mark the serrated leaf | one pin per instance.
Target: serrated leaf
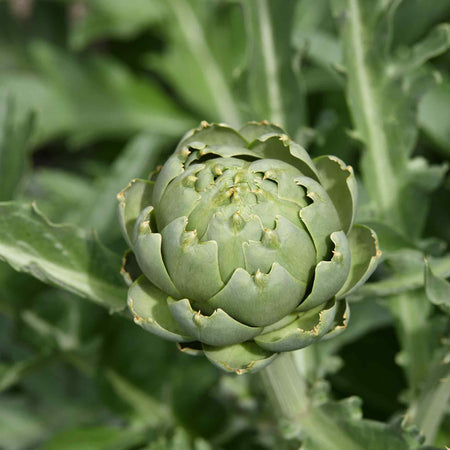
(418, 335)
(429, 410)
(344, 418)
(62, 255)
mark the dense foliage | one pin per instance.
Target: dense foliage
(96, 93)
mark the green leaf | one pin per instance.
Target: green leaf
(61, 255)
(148, 409)
(437, 289)
(104, 18)
(432, 115)
(96, 98)
(312, 36)
(390, 240)
(14, 138)
(366, 315)
(60, 194)
(180, 441)
(429, 410)
(343, 419)
(94, 438)
(434, 44)
(273, 87)
(13, 374)
(406, 280)
(418, 333)
(137, 160)
(204, 48)
(20, 427)
(421, 15)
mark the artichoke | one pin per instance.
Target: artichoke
(246, 246)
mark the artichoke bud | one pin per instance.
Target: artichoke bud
(234, 239)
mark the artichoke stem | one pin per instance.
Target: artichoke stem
(288, 392)
(286, 388)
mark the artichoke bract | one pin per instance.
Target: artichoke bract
(246, 247)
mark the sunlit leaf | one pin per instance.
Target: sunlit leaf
(62, 255)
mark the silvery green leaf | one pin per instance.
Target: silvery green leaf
(62, 255)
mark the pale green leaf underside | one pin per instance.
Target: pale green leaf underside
(62, 255)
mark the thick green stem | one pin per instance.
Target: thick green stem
(286, 388)
(369, 115)
(288, 392)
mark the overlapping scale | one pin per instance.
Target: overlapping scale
(260, 299)
(231, 234)
(148, 305)
(132, 200)
(186, 258)
(218, 329)
(288, 245)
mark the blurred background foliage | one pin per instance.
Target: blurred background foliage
(94, 93)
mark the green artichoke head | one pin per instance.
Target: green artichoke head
(246, 246)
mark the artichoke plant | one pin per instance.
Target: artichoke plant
(246, 246)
